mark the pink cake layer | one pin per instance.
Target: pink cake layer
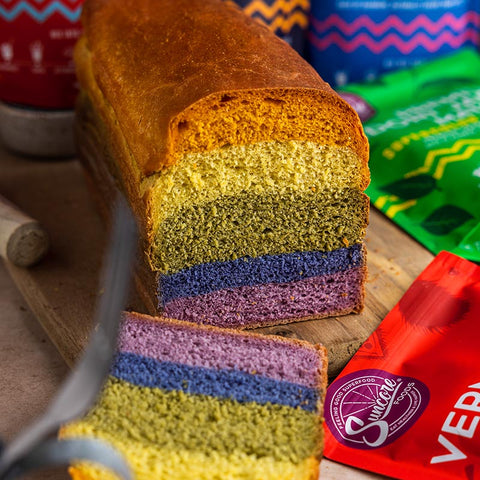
(204, 347)
(249, 306)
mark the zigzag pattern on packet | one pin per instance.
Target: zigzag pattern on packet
(287, 18)
(395, 23)
(353, 41)
(404, 46)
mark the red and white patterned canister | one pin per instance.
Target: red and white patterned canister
(36, 50)
(37, 75)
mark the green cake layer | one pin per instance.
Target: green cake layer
(254, 225)
(179, 421)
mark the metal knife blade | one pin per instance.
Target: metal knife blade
(82, 386)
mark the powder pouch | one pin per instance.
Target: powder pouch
(408, 403)
(423, 125)
(357, 40)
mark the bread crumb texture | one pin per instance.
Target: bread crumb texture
(185, 465)
(251, 225)
(243, 118)
(265, 167)
(174, 435)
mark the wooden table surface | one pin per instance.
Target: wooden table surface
(54, 293)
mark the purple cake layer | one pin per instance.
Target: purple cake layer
(203, 347)
(249, 306)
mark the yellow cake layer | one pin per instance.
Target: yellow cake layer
(282, 168)
(152, 463)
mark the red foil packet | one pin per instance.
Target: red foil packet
(408, 403)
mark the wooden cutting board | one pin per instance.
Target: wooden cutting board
(62, 290)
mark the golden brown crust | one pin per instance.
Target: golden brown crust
(322, 388)
(165, 69)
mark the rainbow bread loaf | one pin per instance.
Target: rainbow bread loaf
(188, 402)
(246, 171)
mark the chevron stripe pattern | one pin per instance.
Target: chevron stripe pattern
(280, 15)
(435, 164)
(392, 31)
(404, 46)
(73, 2)
(40, 10)
(437, 160)
(354, 40)
(394, 23)
(271, 10)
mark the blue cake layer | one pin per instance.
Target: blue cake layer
(233, 384)
(291, 267)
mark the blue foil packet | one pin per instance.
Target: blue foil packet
(357, 40)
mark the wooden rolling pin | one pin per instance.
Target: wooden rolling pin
(23, 241)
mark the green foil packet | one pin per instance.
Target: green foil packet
(423, 125)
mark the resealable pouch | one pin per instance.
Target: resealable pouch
(423, 126)
(408, 403)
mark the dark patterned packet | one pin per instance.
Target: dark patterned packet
(358, 40)
(423, 126)
(408, 403)
(288, 19)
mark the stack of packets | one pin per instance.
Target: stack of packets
(423, 125)
(408, 404)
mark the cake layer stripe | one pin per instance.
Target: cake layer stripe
(250, 225)
(179, 342)
(290, 267)
(266, 167)
(166, 464)
(249, 306)
(178, 421)
(235, 385)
